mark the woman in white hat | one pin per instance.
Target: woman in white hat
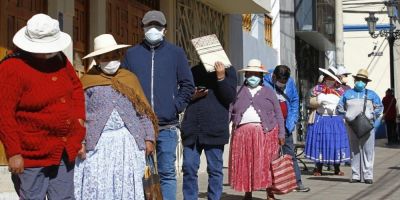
(42, 111)
(326, 140)
(258, 130)
(121, 128)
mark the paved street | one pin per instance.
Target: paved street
(385, 187)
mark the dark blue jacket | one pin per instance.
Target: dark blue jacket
(165, 76)
(207, 119)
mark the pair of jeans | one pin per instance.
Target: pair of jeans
(53, 182)
(288, 148)
(166, 155)
(191, 163)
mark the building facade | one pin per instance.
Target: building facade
(315, 46)
(85, 19)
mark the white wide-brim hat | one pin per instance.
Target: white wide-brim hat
(41, 35)
(332, 75)
(341, 70)
(254, 65)
(103, 44)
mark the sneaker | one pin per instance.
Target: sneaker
(368, 181)
(354, 181)
(301, 188)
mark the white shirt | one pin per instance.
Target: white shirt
(251, 115)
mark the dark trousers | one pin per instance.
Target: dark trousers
(288, 148)
(191, 163)
(391, 131)
(55, 182)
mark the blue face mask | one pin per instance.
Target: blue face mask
(253, 81)
(359, 86)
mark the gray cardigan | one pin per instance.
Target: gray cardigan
(100, 102)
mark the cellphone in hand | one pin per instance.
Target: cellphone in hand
(201, 88)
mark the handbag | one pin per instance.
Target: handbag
(151, 180)
(283, 176)
(361, 125)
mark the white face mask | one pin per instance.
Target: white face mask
(154, 35)
(110, 67)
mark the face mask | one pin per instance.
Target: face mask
(280, 85)
(330, 83)
(110, 67)
(154, 35)
(253, 81)
(359, 86)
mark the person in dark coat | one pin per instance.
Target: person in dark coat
(205, 127)
(389, 115)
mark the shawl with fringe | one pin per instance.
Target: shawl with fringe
(127, 84)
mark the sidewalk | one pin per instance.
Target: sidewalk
(386, 182)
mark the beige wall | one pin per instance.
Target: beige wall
(357, 47)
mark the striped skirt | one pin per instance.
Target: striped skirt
(251, 154)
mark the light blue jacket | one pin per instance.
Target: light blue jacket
(352, 102)
(292, 102)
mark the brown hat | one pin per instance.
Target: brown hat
(362, 74)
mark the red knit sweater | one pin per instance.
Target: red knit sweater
(40, 105)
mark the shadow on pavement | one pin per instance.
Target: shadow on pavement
(325, 178)
(226, 196)
(398, 168)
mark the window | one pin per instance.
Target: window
(246, 22)
(268, 29)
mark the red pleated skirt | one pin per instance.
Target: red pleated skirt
(251, 154)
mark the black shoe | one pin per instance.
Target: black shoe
(368, 181)
(301, 188)
(354, 181)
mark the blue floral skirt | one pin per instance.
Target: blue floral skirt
(327, 140)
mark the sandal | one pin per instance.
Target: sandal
(270, 195)
(317, 172)
(337, 170)
(339, 173)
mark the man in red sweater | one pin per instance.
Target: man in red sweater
(42, 111)
(389, 115)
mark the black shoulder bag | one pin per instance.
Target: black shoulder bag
(361, 125)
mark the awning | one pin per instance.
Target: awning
(317, 40)
(240, 6)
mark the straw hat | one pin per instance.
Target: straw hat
(254, 65)
(363, 74)
(103, 44)
(331, 72)
(41, 35)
